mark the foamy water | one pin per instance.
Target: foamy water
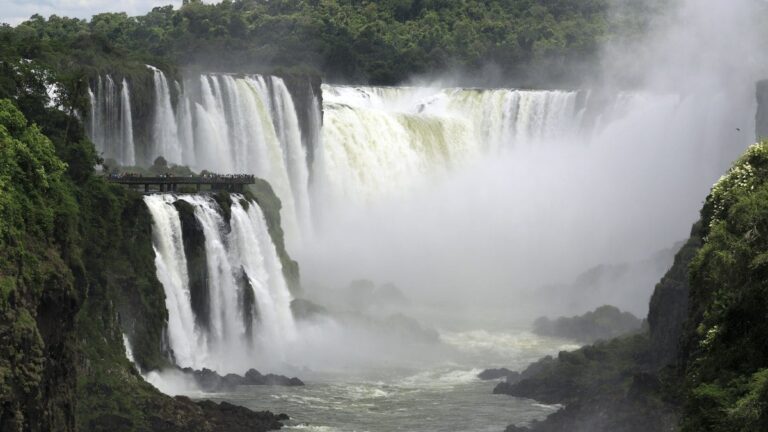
(439, 396)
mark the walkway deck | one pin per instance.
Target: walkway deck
(163, 184)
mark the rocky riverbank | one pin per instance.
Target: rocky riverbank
(210, 381)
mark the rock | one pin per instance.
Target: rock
(492, 374)
(254, 377)
(304, 309)
(761, 118)
(605, 322)
(668, 310)
(193, 239)
(212, 382)
(620, 385)
(234, 418)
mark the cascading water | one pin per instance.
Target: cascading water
(165, 138)
(110, 120)
(242, 263)
(367, 143)
(238, 131)
(126, 127)
(293, 151)
(381, 140)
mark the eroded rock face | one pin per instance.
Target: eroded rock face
(668, 310)
(193, 238)
(761, 118)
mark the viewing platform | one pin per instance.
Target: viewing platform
(169, 183)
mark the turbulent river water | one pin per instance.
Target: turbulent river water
(442, 395)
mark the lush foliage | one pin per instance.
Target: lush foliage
(382, 42)
(37, 242)
(728, 358)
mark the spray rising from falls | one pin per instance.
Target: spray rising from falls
(227, 299)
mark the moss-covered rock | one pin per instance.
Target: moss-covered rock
(270, 204)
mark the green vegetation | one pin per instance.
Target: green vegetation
(37, 245)
(529, 42)
(727, 357)
(76, 274)
(265, 196)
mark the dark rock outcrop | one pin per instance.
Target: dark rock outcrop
(247, 301)
(305, 89)
(761, 117)
(493, 374)
(604, 322)
(270, 204)
(182, 414)
(210, 381)
(233, 418)
(668, 310)
(197, 262)
(305, 309)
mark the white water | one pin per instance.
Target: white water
(441, 393)
(165, 138)
(171, 266)
(379, 142)
(219, 123)
(128, 154)
(245, 245)
(243, 124)
(502, 192)
(110, 122)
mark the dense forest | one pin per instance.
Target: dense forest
(527, 42)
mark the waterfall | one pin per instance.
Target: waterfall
(287, 126)
(110, 121)
(242, 264)
(381, 141)
(165, 138)
(127, 149)
(171, 267)
(243, 124)
(366, 143)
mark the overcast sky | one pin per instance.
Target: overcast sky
(16, 11)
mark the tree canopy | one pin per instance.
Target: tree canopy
(378, 42)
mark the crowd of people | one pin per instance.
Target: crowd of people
(227, 176)
(205, 175)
